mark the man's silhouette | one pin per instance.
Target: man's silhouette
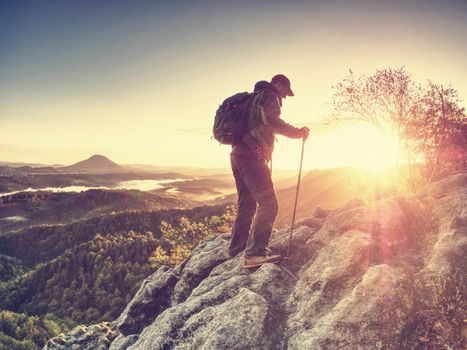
(249, 160)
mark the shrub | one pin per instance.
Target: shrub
(439, 320)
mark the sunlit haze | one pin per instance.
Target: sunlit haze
(140, 81)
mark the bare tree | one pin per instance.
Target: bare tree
(437, 132)
(428, 122)
(384, 99)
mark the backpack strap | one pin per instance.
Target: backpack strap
(257, 124)
(256, 110)
(248, 138)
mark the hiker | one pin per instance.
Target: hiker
(249, 160)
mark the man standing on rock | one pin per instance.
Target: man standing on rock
(249, 160)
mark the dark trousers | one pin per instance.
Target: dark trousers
(256, 197)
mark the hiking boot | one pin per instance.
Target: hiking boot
(250, 262)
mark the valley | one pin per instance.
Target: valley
(76, 242)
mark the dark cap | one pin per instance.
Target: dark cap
(281, 78)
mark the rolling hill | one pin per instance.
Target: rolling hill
(328, 189)
(95, 164)
(42, 207)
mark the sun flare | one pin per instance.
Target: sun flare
(372, 148)
(347, 144)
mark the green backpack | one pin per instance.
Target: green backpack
(234, 116)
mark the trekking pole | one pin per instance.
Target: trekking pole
(296, 200)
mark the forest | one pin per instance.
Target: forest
(87, 271)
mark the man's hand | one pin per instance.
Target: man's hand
(305, 132)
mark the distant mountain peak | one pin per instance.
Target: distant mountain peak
(97, 163)
(99, 156)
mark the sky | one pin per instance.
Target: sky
(139, 81)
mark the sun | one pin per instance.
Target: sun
(373, 148)
(356, 144)
(387, 146)
(364, 145)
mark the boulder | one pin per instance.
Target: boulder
(216, 327)
(123, 342)
(210, 253)
(370, 316)
(152, 298)
(226, 282)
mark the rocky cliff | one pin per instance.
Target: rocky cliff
(356, 280)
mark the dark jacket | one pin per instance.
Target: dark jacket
(269, 104)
